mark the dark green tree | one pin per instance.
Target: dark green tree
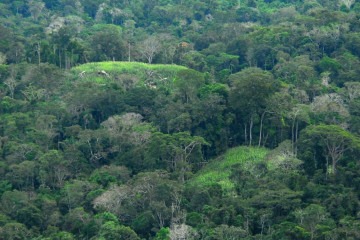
(248, 97)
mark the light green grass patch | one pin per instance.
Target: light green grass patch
(126, 67)
(119, 72)
(218, 170)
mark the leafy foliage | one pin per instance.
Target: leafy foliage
(242, 124)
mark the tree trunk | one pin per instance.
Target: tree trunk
(296, 136)
(293, 135)
(39, 52)
(182, 175)
(245, 133)
(265, 139)
(334, 166)
(65, 61)
(129, 52)
(261, 127)
(327, 167)
(334, 159)
(59, 58)
(250, 130)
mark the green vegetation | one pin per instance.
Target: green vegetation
(127, 67)
(218, 170)
(153, 75)
(164, 119)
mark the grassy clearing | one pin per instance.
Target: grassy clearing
(125, 72)
(126, 67)
(218, 170)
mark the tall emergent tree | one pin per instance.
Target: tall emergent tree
(248, 97)
(333, 142)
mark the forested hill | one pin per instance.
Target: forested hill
(160, 119)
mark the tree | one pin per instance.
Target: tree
(5, 39)
(333, 141)
(283, 158)
(163, 234)
(50, 213)
(129, 31)
(353, 43)
(330, 109)
(348, 228)
(278, 105)
(44, 76)
(188, 83)
(16, 53)
(14, 231)
(94, 145)
(77, 220)
(72, 6)
(12, 82)
(157, 194)
(299, 113)
(129, 136)
(46, 130)
(347, 3)
(23, 175)
(53, 169)
(113, 199)
(109, 174)
(35, 8)
(91, 7)
(67, 50)
(30, 216)
(171, 116)
(180, 151)
(352, 90)
(127, 128)
(149, 48)
(107, 43)
(144, 202)
(247, 14)
(112, 230)
(314, 219)
(210, 121)
(74, 194)
(62, 235)
(297, 71)
(182, 231)
(229, 232)
(326, 37)
(2, 58)
(248, 96)
(91, 104)
(12, 201)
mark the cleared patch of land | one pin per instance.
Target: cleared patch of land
(218, 171)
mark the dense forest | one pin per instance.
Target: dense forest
(160, 119)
